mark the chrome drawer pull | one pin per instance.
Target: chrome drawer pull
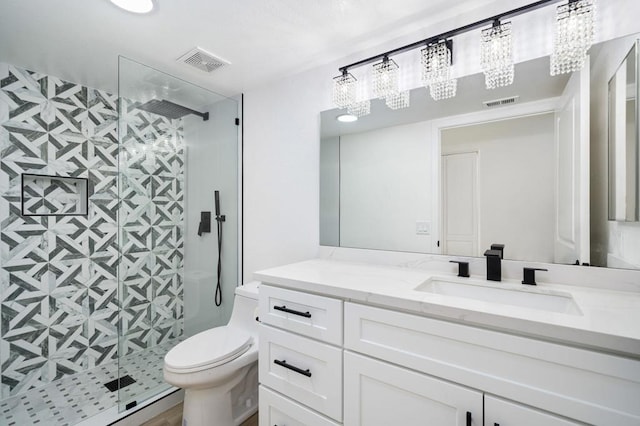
(291, 311)
(284, 364)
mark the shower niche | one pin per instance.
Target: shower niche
(46, 195)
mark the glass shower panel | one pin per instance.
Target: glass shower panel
(211, 158)
(178, 144)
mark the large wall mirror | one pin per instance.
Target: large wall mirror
(524, 165)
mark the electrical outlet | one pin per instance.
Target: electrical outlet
(423, 227)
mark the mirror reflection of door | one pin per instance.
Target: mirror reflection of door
(515, 183)
(572, 238)
(460, 204)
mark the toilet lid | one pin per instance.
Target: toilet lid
(214, 346)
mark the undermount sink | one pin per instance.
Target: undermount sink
(502, 293)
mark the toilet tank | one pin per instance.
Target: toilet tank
(245, 308)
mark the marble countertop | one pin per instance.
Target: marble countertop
(607, 320)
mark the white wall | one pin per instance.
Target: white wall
(615, 243)
(212, 152)
(516, 182)
(385, 187)
(281, 171)
(282, 133)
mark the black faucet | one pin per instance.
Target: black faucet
(494, 268)
(529, 275)
(463, 268)
(499, 247)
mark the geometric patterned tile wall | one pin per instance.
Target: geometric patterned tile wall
(152, 228)
(59, 274)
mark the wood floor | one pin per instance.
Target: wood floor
(173, 417)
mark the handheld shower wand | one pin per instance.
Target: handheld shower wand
(216, 196)
(219, 219)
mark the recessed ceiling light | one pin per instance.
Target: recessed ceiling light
(135, 6)
(346, 118)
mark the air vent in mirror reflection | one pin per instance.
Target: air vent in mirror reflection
(499, 102)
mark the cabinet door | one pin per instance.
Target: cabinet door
(377, 393)
(498, 412)
(278, 410)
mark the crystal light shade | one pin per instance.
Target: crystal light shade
(443, 90)
(436, 70)
(385, 78)
(360, 108)
(496, 55)
(573, 36)
(344, 90)
(398, 100)
(361, 105)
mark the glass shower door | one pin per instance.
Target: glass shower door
(178, 143)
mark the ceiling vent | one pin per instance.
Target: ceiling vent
(203, 60)
(500, 102)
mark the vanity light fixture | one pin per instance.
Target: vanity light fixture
(496, 55)
(386, 82)
(385, 78)
(573, 36)
(135, 6)
(344, 89)
(347, 118)
(436, 61)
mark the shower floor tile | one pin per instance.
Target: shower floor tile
(73, 399)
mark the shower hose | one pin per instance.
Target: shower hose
(218, 296)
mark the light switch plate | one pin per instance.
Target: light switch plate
(423, 227)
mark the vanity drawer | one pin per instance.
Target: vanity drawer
(313, 316)
(303, 369)
(275, 409)
(589, 386)
(498, 411)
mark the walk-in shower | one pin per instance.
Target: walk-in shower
(102, 269)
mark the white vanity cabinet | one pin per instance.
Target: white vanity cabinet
(300, 358)
(376, 366)
(560, 381)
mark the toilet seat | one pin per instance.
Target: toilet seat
(208, 349)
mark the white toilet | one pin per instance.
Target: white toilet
(210, 364)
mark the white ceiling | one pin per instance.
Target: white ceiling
(263, 39)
